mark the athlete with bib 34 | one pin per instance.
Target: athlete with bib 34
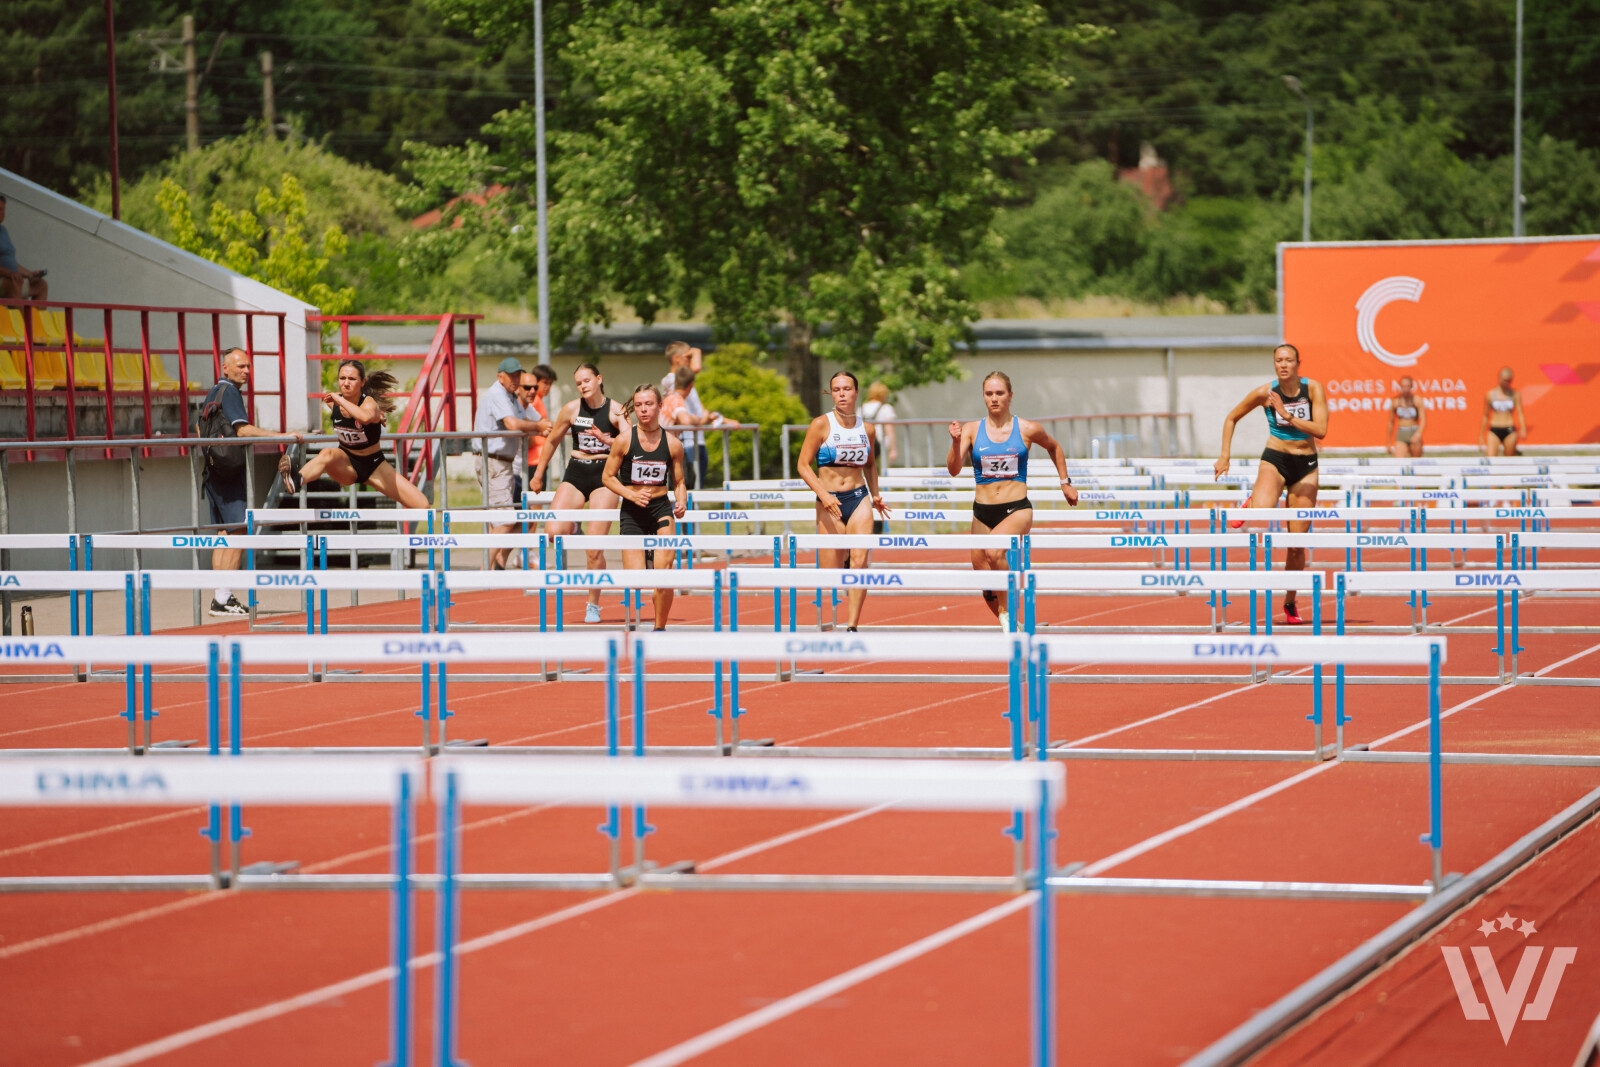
(998, 448)
(836, 462)
(1297, 418)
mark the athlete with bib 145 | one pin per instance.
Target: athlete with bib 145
(1297, 418)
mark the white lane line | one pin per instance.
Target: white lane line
(67, 839)
(1464, 705)
(781, 1009)
(228, 1024)
(107, 925)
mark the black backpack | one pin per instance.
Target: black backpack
(220, 459)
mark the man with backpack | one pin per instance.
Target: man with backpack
(223, 414)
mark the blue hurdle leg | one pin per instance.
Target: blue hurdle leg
(400, 931)
(1044, 1048)
(212, 831)
(444, 996)
(131, 712)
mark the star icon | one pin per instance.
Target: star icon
(1526, 928)
(1506, 921)
(1487, 927)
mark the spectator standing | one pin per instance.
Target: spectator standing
(225, 487)
(682, 407)
(877, 410)
(498, 411)
(539, 380)
(15, 279)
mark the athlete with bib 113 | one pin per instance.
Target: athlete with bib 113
(1297, 418)
(998, 446)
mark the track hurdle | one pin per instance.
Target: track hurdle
(1039, 789)
(1498, 582)
(99, 781)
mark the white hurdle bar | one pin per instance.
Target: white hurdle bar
(230, 782)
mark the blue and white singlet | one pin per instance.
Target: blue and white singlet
(1006, 461)
(1297, 406)
(845, 447)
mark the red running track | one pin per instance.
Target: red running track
(621, 977)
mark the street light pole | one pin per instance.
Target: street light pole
(539, 195)
(1516, 155)
(1298, 90)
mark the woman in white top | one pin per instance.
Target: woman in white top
(879, 411)
(836, 462)
(1408, 419)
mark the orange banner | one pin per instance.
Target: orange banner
(1450, 315)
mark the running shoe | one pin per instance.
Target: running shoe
(591, 613)
(1235, 524)
(1291, 615)
(286, 471)
(1005, 621)
(231, 610)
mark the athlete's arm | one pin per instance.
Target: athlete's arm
(1522, 418)
(1253, 399)
(680, 490)
(1394, 428)
(1422, 420)
(870, 472)
(960, 448)
(364, 413)
(635, 494)
(1317, 425)
(1035, 434)
(808, 459)
(562, 424)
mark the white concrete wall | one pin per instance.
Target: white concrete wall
(93, 259)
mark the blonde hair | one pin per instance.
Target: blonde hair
(879, 392)
(627, 409)
(1002, 375)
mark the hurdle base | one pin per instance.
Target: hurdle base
(763, 742)
(476, 742)
(268, 868)
(175, 744)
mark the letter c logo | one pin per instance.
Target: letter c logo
(1377, 296)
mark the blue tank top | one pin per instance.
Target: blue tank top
(1299, 407)
(1006, 461)
(845, 447)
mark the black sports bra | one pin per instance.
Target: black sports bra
(647, 466)
(588, 420)
(354, 435)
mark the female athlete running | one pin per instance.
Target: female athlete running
(998, 449)
(1504, 422)
(645, 463)
(360, 406)
(1408, 420)
(836, 462)
(1297, 418)
(593, 419)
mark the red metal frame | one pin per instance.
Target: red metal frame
(32, 347)
(424, 410)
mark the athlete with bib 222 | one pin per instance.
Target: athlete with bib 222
(998, 447)
(594, 419)
(645, 463)
(1297, 418)
(359, 408)
(836, 462)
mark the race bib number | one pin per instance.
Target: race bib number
(352, 435)
(851, 456)
(588, 442)
(649, 472)
(1000, 466)
(1298, 408)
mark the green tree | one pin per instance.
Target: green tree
(735, 385)
(269, 244)
(805, 162)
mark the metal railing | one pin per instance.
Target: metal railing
(1159, 433)
(45, 362)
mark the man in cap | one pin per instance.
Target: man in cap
(498, 412)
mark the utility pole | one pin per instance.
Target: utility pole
(191, 99)
(111, 89)
(1516, 160)
(1298, 90)
(544, 232)
(268, 115)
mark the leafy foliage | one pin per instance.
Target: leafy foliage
(269, 244)
(734, 384)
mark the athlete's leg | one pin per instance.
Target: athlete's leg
(663, 562)
(400, 490)
(1491, 443)
(1400, 449)
(601, 499)
(1511, 444)
(1302, 494)
(981, 562)
(860, 523)
(1416, 446)
(830, 558)
(566, 498)
(1016, 524)
(331, 462)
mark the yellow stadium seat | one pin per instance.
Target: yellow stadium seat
(11, 370)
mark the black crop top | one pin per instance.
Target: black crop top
(354, 435)
(588, 419)
(647, 466)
